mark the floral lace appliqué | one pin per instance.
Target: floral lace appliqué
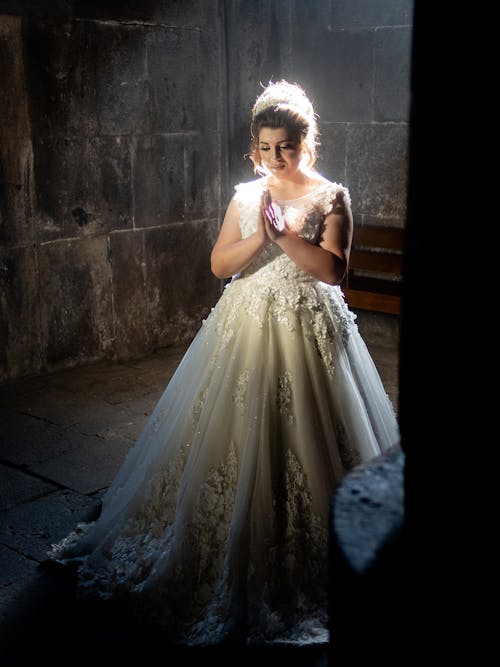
(284, 396)
(240, 392)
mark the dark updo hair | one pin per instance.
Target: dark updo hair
(284, 105)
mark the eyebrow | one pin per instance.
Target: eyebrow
(283, 141)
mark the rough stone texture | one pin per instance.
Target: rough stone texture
(183, 103)
(368, 566)
(20, 344)
(332, 151)
(392, 74)
(381, 333)
(128, 270)
(17, 487)
(94, 196)
(201, 149)
(31, 528)
(76, 301)
(118, 77)
(20, 438)
(59, 91)
(110, 124)
(15, 144)
(16, 574)
(88, 466)
(159, 190)
(368, 509)
(337, 69)
(379, 329)
(12, 568)
(364, 13)
(254, 40)
(170, 276)
(376, 169)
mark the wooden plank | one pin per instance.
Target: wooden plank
(376, 261)
(379, 250)
(382, 303)
(390, 238)
(370, 283)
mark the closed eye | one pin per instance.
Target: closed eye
(282, 147)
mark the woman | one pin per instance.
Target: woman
(216, 526)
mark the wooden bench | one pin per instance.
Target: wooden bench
(374, 278)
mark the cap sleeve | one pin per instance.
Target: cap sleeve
(331, 193)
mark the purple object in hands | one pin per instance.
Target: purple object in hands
(275, 216)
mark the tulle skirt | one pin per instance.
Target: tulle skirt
(217, 522)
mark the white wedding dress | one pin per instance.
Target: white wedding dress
(217, 522)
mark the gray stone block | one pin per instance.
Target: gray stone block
(315, 12)
(156, 370)
(335, 69)
(190, 102)
(16, 171)
(109, 176)
(377, 166)
(159, 182)
(94, 381)
(117, 65)
(26, 440)
(363, 13)
(58, 78)
(12, 568)
(203, 154)
(128, 271)
(20, 315)
(15, 145)
(90, 465)
(64, 205)
(33, 527)
(16, 575)
(193, 14)
(17, 487)
(162, 361)
(368, 508)
(379, 329)
(82, 186)
(392, 74)
(179, 283)
(57, 407)
(110, 422)
(332, 151)
(76, 302)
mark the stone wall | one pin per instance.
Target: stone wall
(112, 131)
(124, 129)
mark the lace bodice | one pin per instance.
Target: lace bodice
(304, 215)
(274, 286)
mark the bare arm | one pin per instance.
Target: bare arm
(231, 253)
(328, 260)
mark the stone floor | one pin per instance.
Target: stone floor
(62, 438)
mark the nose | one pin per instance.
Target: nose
(277, 152)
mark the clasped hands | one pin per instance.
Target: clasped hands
(271, 218)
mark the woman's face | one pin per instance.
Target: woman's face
(279, 151)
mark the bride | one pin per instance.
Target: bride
(216, 526)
